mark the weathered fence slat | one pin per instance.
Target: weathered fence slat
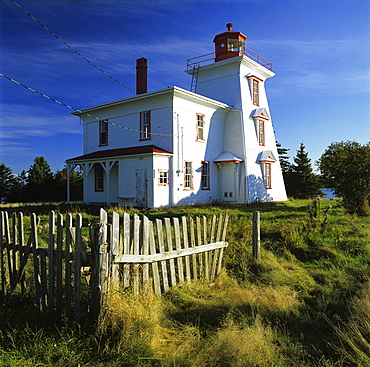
(115, 250)
(161, 250)
(2, 251)
(136, 245)
(59, 266)
(194, 256)
(68, 268)
(167, 224)
(126, 248)
(156, 280)
(186, 246)
(180, 268)
(77, 264)
(51, 262)
(166, 253)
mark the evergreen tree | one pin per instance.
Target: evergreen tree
(60, 185)
(286, 169)
(39, 181)
(283, 158)
(305, 183)
(6, 182)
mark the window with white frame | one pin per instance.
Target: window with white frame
(145, 125)
(205, 176)
(188, 176)
(99, 177)
(162, 177)
(103, 132)
(268, 182)
(200, 127)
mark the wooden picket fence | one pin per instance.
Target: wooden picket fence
(73, 276)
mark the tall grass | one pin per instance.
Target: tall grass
(306, 303)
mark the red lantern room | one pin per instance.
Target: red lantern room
(229, 44)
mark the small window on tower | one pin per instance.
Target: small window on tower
(268, 176)
(261, 132)
(255, 96)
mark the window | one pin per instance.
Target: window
(163, 178)
(103, 132)
(205, 175)
(188, 179)
(268, 175)
(261, 132)
(255, 96)
(145, 125)
(99, 177)
(235, 45)
(200, 127)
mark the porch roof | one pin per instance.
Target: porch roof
(113, 153)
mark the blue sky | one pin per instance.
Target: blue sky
(319, 49)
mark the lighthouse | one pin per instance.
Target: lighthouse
(236, 75)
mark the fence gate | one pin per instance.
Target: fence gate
(74, 274)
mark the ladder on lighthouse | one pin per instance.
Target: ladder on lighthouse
(194, 79)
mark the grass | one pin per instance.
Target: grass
(306, 303)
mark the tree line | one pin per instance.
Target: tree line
(38, 184)
(344, 167)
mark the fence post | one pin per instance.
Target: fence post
(99, 271)
(256, 236)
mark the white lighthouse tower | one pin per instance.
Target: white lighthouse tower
(249, 167)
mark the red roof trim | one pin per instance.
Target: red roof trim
(254, 77)
(230, 161)
(110, 153)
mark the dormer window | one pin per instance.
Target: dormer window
(266, 159)
(260, 116)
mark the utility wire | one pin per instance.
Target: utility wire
(77, 110)
(72, 49)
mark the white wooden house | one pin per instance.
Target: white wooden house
(214, 143)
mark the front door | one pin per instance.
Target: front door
(141, 188)
(227, 182)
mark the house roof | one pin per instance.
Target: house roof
(226, 157)
(147, 96)
(111, 153)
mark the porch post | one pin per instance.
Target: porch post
(68, 184)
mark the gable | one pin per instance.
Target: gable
(260, 113)
(266, 156)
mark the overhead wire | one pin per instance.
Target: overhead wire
(79, 54)
(77, 110)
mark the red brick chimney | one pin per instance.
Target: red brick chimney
(141, 76)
